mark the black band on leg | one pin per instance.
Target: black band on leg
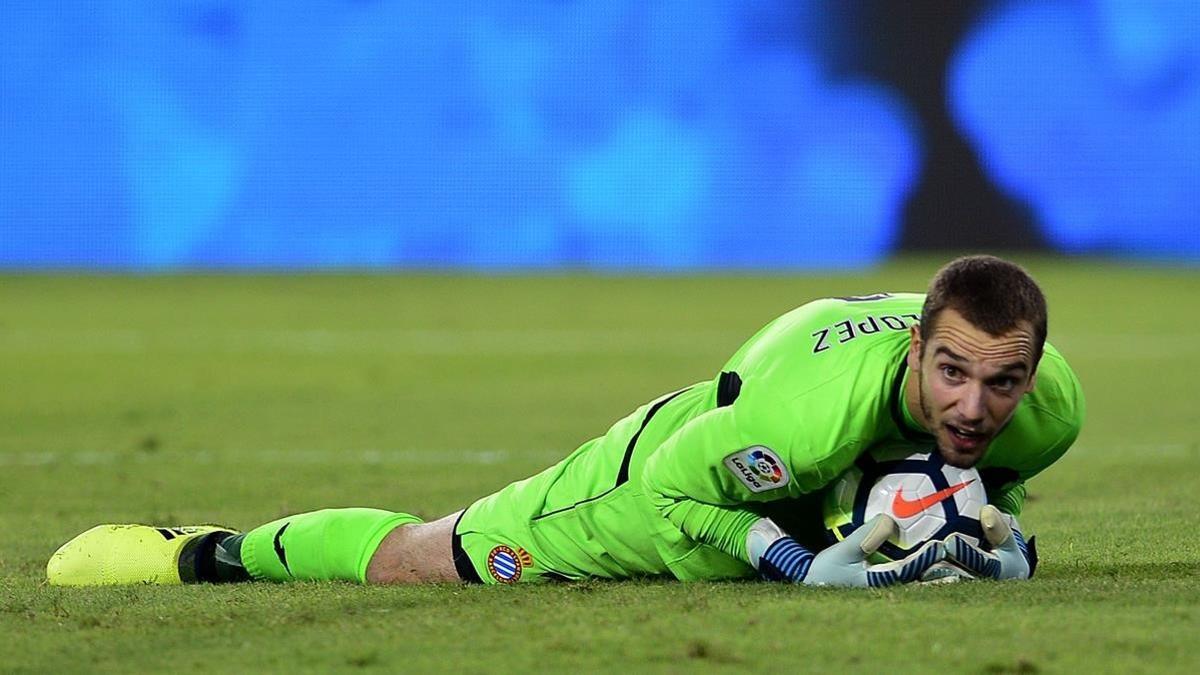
(198, 561)
(462, 563)
(189, 558)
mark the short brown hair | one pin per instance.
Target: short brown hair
(994, 295)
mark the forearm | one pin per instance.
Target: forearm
(724, 528)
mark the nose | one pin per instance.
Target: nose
(972, 406)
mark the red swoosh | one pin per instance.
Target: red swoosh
(906, 508)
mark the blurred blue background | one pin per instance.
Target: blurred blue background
(623, 135)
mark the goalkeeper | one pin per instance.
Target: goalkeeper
(686, 485)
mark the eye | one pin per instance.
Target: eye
(952, 373)
(1005, 384)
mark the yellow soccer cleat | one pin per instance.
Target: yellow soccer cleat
(124, 554)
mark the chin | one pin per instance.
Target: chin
(958, 458)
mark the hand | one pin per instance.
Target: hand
(1010, 557)
(843, 564)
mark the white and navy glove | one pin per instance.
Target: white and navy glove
(778, 557)
(1010, 557)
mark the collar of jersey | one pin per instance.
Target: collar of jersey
(907, 425)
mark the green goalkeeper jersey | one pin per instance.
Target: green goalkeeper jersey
(676, 486)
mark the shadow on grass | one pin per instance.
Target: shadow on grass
(1132, 571)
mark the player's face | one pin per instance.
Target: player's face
(970, 383)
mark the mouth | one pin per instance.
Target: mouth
(966, 440)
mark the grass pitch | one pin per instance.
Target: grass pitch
(236, 399)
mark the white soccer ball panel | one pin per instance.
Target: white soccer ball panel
(914, 529)
(970, 499)
(926, 508)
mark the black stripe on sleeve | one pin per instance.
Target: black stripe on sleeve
(623, 474)
(729, 385)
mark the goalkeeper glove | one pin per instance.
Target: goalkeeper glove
(1010, 557)
(778, 557)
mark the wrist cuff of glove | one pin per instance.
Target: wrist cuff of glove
(785, 560)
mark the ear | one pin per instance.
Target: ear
(914, 347)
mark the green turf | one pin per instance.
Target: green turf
(237, 399)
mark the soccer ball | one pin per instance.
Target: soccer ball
(928, 499)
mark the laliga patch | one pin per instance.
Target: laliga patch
(758, 467)
(505, 564)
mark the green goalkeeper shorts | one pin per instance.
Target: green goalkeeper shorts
(585, 517)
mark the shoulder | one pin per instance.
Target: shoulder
(818, 380)
(834, 358)
(820, 418)
(829, 333)
(1046, 423)
(1057, 392)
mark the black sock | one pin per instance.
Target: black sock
(198, 562)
